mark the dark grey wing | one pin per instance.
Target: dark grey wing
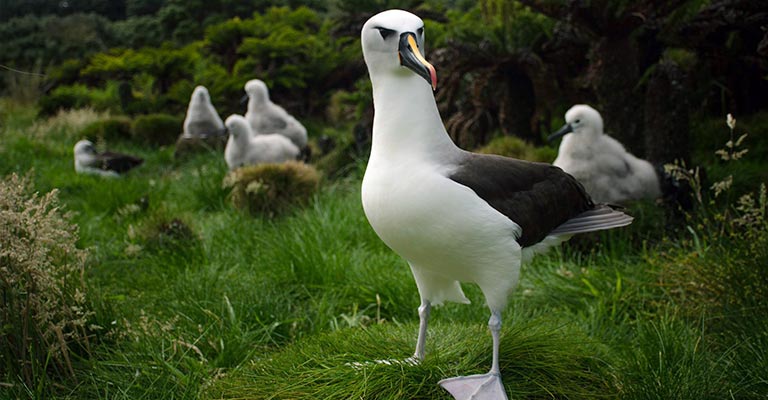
(118, 162)
(539, 197)
(603, 216)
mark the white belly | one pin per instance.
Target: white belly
(438, 224)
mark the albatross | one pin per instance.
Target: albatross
(245, 148)
(267, 117)
(109, 164)
(202, 120)
(453, 215)
(607, 170)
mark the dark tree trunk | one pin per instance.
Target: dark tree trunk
(667, 115)
(516, 109)
(614, 73)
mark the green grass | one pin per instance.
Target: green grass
(228, 305)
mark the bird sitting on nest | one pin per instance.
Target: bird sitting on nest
(266, 117)
(245, 148)
(202, 120)
(109, 164)
(607, 170)
(456, 216)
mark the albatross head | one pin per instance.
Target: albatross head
(84, 148)
(581, 119)
(237, 126)
(256, 92)
(200, 95)
(393, 42)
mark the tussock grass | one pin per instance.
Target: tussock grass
(539, 359)
(272, 187)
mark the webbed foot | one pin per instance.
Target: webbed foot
(475, 387)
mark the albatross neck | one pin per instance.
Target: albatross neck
(406, 119)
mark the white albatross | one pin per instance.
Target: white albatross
(606, 169)
(108, 164)
(456, 216)
(243, 148)
(202, 120)
(267, 117)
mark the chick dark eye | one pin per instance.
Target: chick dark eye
(577, 121)
(385, 33)
(420, 31)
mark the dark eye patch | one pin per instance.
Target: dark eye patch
(577, 121)
(421, 31)
(385, 33)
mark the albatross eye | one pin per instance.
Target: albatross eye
(385, 33)
(577, 121)
(421, 31)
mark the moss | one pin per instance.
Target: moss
(511, 146)
(272, 188)
(156, 129)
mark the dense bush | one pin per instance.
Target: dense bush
(270, 188)
(79, 96)
(156, 129)
(511, 146)
(108, 129)
(43, 308)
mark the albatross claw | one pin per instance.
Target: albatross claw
(475, 387)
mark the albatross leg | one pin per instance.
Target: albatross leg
(484, 386)
(424, 309)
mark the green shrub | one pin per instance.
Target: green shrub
(156, 129)
(108, 129)
(64, 98)
(271, 188)
(79, 96)
(43, 308)
(511, 146)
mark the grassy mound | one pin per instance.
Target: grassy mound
(538, 360)
(271, 188)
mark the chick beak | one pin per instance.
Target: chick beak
(567, 128)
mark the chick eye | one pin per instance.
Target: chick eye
(420, 31)
(385, 33)
(577, 121)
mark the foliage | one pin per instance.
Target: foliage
(78, 96)
(492, 78)
(118, 127)
(511, 146)
(139, 32)
(270, 188)
(156, 129)
(24, 86)
(719, 270)
(294, 52)
(43, 311)
(30, 40)
(291, 50)
(65, 125)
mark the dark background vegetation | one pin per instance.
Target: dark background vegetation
(504, 66)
